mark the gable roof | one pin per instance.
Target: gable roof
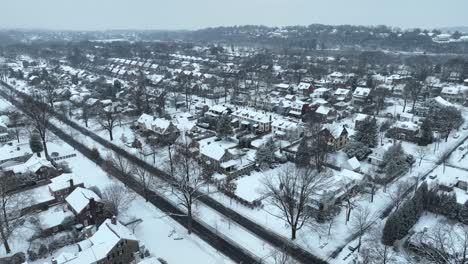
(63, 181)
(33, 164)
(101, 243)
(213, 151)
(80, 198)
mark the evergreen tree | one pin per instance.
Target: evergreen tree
(265, 155)
(224, 128)
(303, 153)
(426, 132)
(366, 132)
(394, 160)
(463, 215)
(35, 143)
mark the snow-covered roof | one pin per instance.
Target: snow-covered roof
(362, 92)
(160, 124)
(63, 181)
(213, 151)
(406, 125)
(218, 108)
(341, 91)
(282, 86)
(442, 101)
(146, 120)
(101, 243)
(323, 110)
(251, 115)
(303, 86)
(80, 198)
(33, 164)
(334, 129)
(354, 163)
(452, 90)
(53, 216)
(14, 151)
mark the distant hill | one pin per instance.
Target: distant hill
(462, 29)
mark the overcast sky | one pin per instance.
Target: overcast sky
(195, 14)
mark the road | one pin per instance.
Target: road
(206, 233)
(263, 233)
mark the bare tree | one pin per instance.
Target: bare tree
(86, 114)
(38, 112)
(15, 120)
(49, 89)
(398, 193)
(116, 198)
(422, 153)
(145, 178)
(11, 216)
(374, 251)
(188, 181)
(118, 162)
(317, 144)
(280, 256)
(290, 191)
(444, 159)
(361, 221)
(108, 118)
(443, 243)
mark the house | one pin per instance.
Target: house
(342, 183)
(215, 154)
(404, 130)
(359, 119)
(256, 122)
(164, 129)
(61, 186)
(36, 167)
(361, 97)
(14, 152)
(342, 95)
(283, 88)
(337, 78)
(216, 111)
(454, 93)
(377, 156)
(144, 122)
(305, 89)
(51, 220)
(184, 142)
(298, 109)
(325, 114)
(287, 130)
(85, 205)
(290, 97)
(112, 243)
(336, 136)
(321, 92)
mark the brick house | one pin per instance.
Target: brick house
(61, 186)
(112, 243)
(85, 205)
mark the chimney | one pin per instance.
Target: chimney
(71, 184)
(54, 261)
(92, 203)
(114, 220)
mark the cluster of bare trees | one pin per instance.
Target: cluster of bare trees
(187, 183)
(443, 243)
(11, 215)
(291, 192)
